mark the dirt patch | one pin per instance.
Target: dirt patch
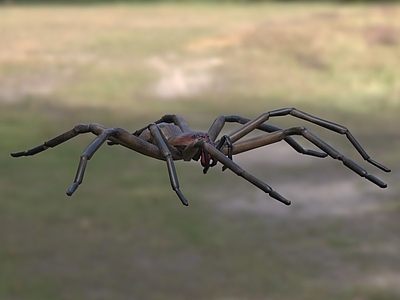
(341, 198)
(383, 280)
(13, 89)
(18, 87)
(382, 35)
(183, 78)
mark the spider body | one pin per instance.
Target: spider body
(186, 142)
(171, 139)
(181, 140)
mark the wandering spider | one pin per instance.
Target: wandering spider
(170, 138)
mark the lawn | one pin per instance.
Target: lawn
(124, 233)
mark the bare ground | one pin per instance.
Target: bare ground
(325, 195)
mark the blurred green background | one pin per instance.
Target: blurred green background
(124, 233)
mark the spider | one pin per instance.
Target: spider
(170, 138)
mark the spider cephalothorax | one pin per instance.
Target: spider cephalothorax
(170, 138)
(187, 141)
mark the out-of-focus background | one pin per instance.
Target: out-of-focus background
(124, 233)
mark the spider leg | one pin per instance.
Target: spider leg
(224, 139)
(102, 132)
(219, 123)
(78, 129)
(303, 131)
(161, 144)
(241, 172)
(296, 146)
(345, 160)
(117, 135)
(312, 119)
(87, 155)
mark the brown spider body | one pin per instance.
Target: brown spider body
(170, 139)
(168, 130)
(185, 142)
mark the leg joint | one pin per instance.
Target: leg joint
(295, 130)
(82, 128)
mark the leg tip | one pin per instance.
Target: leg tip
(182, 197)
(280, 198)
(17, 154)
(316, 153)
(379, 165)
(376, 180)
(72, 189)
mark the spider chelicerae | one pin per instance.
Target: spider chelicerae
(170, 139)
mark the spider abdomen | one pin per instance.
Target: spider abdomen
(168, 130)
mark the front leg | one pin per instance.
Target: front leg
(253, 124)
(219, 123)
(242, 173)
(268, 139)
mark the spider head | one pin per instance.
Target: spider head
(206, 159)
(189, 144)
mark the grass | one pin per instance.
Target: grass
(124, 234)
